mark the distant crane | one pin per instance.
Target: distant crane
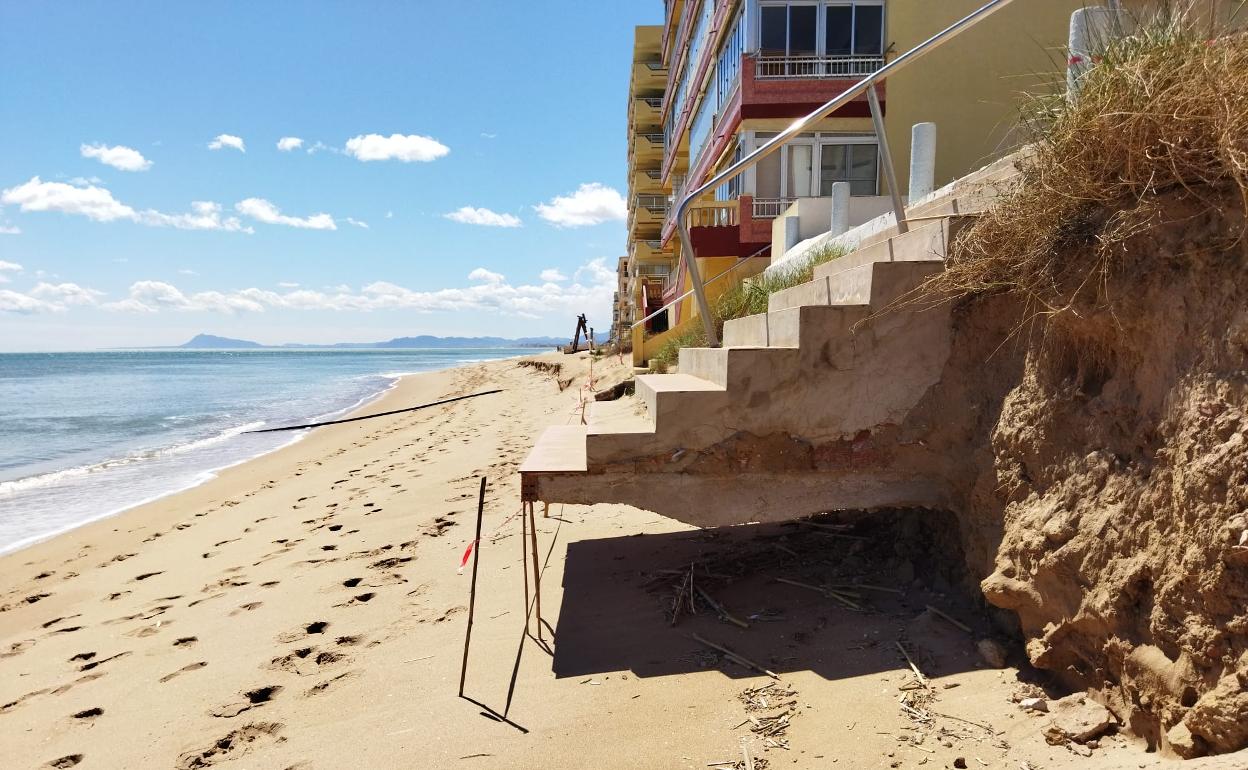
(581, 326)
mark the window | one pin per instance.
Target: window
(828, 28)
(857, 164)
(811, 164)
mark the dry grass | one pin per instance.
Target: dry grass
(1164, 113)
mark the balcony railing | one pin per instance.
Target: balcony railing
(781, 67)
(655, 102)
(770, 208)
(717, 214)
(655, 204)
(655, 139)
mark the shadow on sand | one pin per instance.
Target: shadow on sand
(618, 596)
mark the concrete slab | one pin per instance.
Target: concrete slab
(560, 449)
(750, 331)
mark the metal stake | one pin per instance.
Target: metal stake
(472, 591)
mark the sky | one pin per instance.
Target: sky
(310, 171)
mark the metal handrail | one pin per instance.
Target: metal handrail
(740, 262)
(867, 84)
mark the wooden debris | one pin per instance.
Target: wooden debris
(825, 591)
(723, 613)
(741, 659)
(913, 666)
(946, 616)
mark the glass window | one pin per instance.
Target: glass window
(857, 164)
(833, 166)
(868, 30)
(801, 160)
(774, 31)
(767, 177)
(839, 36)
(863, 168)
(803, 30)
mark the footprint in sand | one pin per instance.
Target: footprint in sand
(310, 629)
(306, 661)
(363, 598)
(67, 761)
(317, 689)
(248, 607)
(249, 700)
(233, 744)
(184, 670)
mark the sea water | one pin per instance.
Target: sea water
(87, 435)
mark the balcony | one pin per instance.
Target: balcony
(648, 251)
(646, 112)
(647, 180)
(647, 148)
(646, 216)
(649, 78)
(815, 67)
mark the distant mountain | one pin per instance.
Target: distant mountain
(210, 341)
(202, 341)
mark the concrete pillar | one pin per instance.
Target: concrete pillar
(922, 160)
(1091, 30)
(840, 208)
(792, 232)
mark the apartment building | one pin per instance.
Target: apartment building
(649, 264)
(739, 71)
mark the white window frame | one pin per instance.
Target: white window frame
(821, 44)
(749, 184)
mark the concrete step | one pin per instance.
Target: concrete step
(876, 284)
(813, 326)
(657, 391)
(748, 332)
(732, 368)
(623, 415)
(559, 449)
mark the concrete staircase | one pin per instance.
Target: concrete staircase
(807, 407)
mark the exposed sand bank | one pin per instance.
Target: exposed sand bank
(303, 610)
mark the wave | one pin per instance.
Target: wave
(45, 479)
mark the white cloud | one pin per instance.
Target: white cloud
(227, 140)
(99, 205)
(591, 204)
(487, 135)
(65, 293)
(154, 296)
(407, 148)
(187, 271)
(47, 298)
(95, 203)
(357, 223)
(262, 210)
(9, 267)
(119, 157)
(10, 230)
(488, 291)
(552, 276)
(481, 274)
(288, 143)
(204, 215)
(14, 302)
(472, 216)
(389, 215)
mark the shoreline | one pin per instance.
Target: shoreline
(206, 475)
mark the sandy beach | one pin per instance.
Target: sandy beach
(304, 610)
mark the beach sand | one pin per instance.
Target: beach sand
(304, 610)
